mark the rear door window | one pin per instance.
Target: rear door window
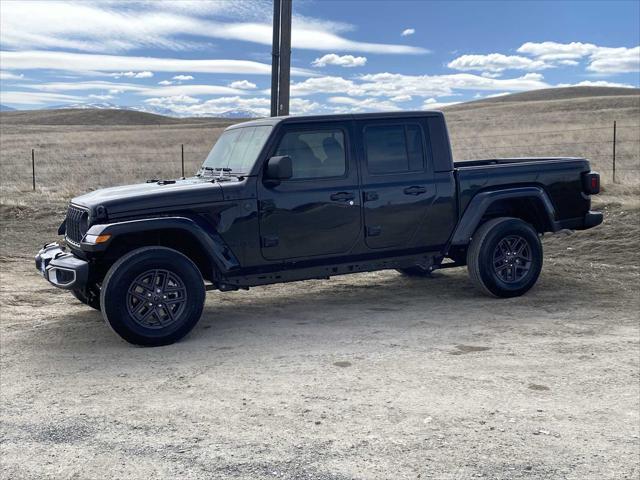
(394, 148)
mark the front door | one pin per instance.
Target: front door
(398, 187)
(317, 211)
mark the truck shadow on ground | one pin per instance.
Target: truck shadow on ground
(371, 302)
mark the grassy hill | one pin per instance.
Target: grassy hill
(82, 149)
(90, 117)
(566, 93)
(576, 121)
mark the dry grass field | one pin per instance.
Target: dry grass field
(368, 376)
(78, 150)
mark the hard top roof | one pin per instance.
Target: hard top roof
(335, 117)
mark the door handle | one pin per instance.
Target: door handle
(415, 190)
(342, 196)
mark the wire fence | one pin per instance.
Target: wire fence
(613, 150)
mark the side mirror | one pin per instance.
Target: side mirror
(279, 168)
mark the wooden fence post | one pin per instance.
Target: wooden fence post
(33, 168)
(182, 157)
(614, 151)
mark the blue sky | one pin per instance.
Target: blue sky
(206, 57)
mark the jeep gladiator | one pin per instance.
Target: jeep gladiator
(294, 198)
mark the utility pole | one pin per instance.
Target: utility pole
(281, 57)
(275, 58)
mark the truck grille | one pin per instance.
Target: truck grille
(76, 224)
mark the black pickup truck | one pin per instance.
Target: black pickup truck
(295, 198)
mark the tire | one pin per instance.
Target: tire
(93, 299)
(416, 271)
(152, 296)
(490, 261)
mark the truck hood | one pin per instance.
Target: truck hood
(144, 198)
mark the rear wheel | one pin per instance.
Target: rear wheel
(153, 296)
(505, 257)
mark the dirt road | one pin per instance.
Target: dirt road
(370, 376)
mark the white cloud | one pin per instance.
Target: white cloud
(136, 89)
(165, 82)
(408, 31)
(394, 84)
(11, 76)
(401, 98)
(557, 51)
(491, 75)
(115, 26)
(86, 86)
(600, 59)
(183, 78)
(598, 83)
(348, 61)
(363, 104)
(433, 104)
(101, 97)
(496, 63)
(132, 74)
(259, 106)
(615, 60)
(243, 85)
(83, 62)
(178, 99)
(178, 90)
(147, 91)
(36, 98)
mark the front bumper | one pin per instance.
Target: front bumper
(62, 268)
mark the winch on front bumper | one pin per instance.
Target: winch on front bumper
(61, 268)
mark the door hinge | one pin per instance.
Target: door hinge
(370, 196)
(270, 241)
(267, 206)
(374, 231)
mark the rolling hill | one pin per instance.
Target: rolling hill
(98, 116)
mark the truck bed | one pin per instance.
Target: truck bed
(509, 161)
(560, 177)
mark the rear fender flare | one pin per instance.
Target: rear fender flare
(209, 241)
(482, 202)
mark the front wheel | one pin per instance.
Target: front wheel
(505, 257)
(153, 296)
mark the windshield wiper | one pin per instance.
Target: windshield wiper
(220, 173)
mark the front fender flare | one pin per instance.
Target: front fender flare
(211, 243)
(482, 201)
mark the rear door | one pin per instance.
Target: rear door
(316, 212)
(398, 189)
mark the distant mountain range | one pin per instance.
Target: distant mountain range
(235, 113)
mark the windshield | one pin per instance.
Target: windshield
(237, 150)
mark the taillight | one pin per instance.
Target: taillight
(591, 183)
